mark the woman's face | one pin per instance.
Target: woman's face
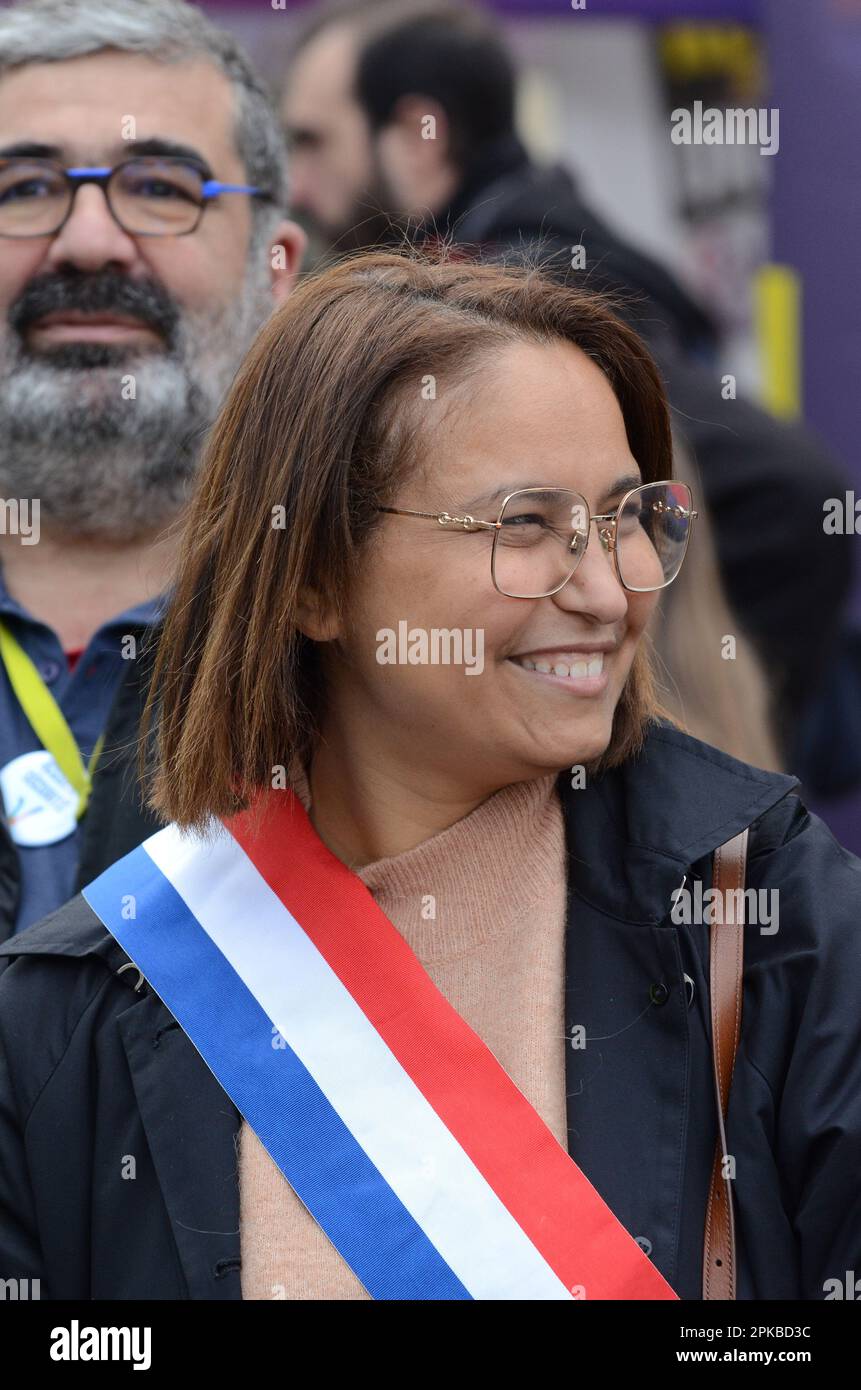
(537, 415)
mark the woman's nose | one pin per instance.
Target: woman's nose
(595, 585)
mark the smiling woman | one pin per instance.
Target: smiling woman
(408, 937)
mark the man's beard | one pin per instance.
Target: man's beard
(372, 221)
(107, 436)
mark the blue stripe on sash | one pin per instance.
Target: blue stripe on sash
(344, 1191)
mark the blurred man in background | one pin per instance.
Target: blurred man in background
(128, 300)
(400, 119)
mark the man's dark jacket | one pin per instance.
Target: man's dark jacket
(764, 481)
(94, 1070)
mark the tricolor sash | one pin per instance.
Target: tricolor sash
(426, 1167)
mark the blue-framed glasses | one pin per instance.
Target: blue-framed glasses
(147, 195)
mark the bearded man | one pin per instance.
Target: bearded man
(144, 240)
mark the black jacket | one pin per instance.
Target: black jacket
(93, 1070)
(764, 481)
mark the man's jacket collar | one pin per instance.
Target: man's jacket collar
(495, 160)
(632, 833)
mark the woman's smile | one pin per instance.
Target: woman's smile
(582, 672)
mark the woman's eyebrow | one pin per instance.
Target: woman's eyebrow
(623, 484)
(496, 495)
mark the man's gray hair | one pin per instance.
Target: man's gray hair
(45, 31)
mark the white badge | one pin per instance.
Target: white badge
(40, 803)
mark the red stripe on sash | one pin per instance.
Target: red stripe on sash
(540, 1184)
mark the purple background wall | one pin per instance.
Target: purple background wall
(747, 11)
(815, 61)
(816, 205)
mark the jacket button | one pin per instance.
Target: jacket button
(659, 994)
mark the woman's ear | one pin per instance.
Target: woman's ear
(313, 620)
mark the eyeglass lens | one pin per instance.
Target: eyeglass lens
(543, 536)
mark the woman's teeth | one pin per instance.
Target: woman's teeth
(588, 666)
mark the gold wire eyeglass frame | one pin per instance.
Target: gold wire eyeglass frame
(607, 534)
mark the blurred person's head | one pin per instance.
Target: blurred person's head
(386, 104)
(117, 347)
(291, 573)
(704, 682)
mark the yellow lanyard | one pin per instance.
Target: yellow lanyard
(47, 719)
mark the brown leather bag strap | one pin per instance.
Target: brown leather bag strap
(727, 964)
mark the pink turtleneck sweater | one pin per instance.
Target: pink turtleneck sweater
(495, 949)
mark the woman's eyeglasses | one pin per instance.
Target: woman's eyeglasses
(541, 535)
(154, 195)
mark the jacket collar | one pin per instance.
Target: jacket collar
(633, 833)
(504, 156)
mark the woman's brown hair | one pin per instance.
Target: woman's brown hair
(316, 433)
